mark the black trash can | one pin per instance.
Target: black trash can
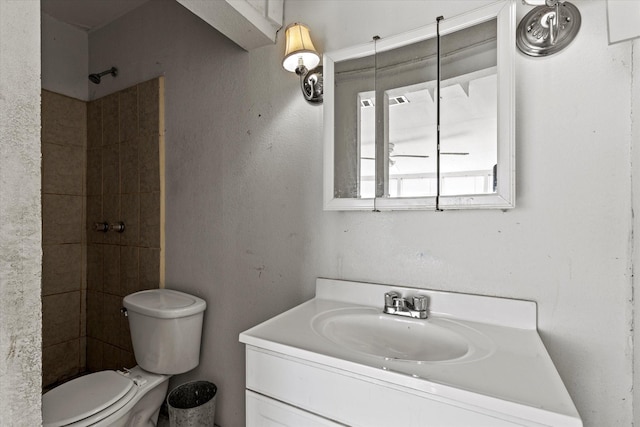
(192, 404)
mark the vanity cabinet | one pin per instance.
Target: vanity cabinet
(293, 392)
(338, 360)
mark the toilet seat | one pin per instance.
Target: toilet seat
(89, 398)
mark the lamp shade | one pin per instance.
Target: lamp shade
(299, 49)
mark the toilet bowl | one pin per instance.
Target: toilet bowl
(106, 398)
(166, 329)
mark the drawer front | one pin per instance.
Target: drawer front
(356, 400)
(266, 412)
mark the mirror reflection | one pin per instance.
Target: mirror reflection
(469, 113)
(406, 80)
(406, 85)
(385, 146)
(354, 133)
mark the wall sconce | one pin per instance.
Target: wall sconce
(548, 28)
(302, 58)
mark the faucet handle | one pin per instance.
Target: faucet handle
(390, 297)
(420, 303)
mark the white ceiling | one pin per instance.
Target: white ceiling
(88, 15)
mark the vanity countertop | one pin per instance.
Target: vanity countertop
(512, 373)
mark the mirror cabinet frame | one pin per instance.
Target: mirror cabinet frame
(504, 197)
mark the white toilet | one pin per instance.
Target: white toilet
(166, 329)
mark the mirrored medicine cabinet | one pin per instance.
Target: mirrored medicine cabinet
(425, 119)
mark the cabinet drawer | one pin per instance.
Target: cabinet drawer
(266, 412)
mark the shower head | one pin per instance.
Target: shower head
(95, 78)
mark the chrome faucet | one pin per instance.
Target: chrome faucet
(415, 307)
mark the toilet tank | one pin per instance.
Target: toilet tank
(166, 329)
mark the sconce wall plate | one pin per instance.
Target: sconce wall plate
(539, 35)
(311, 85)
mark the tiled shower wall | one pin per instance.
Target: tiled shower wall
(64, 141)
(124, 132)
(100, 162)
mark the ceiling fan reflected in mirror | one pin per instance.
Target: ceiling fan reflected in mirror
(393, 162)
(414, 156)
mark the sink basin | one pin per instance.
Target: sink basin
(368, 331)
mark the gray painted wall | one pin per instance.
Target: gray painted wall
(20, 218)
(65, 59)
(245, 226)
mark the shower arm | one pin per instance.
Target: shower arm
(95, 78)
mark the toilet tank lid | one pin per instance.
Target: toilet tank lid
(164, 303)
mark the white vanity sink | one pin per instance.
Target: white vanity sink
(338, 360)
